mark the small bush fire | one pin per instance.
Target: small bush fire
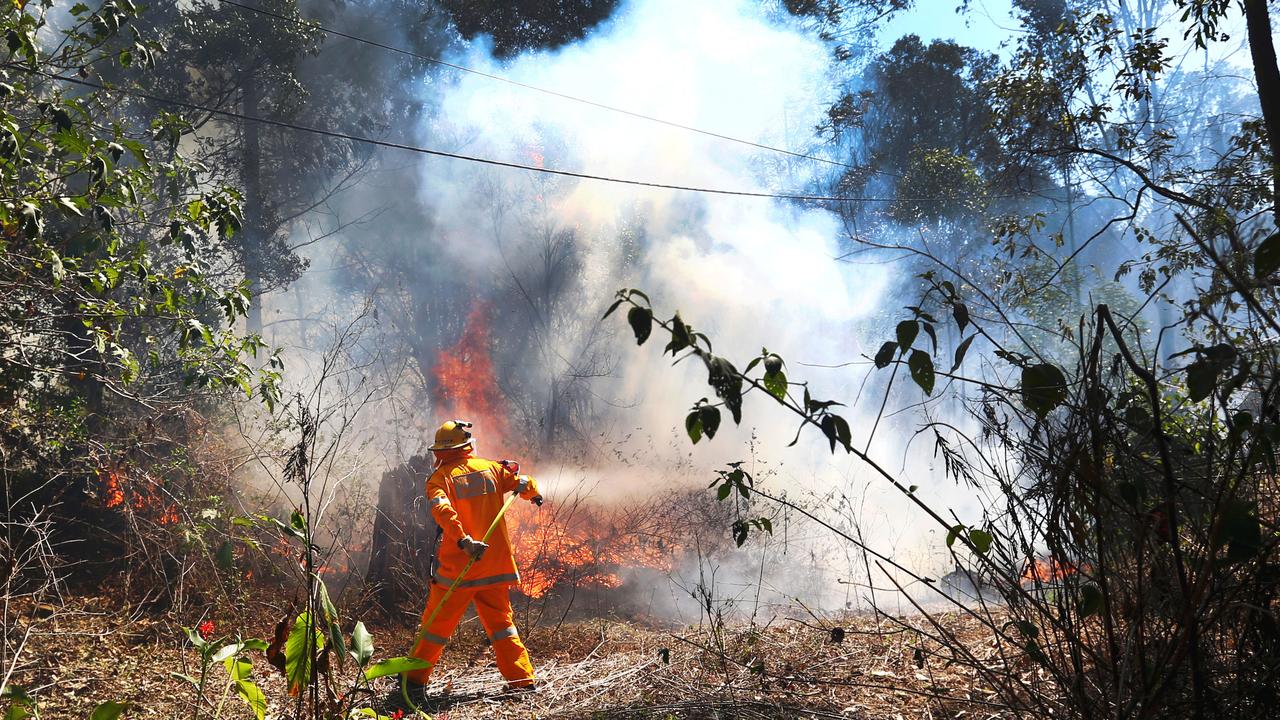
(569, 542)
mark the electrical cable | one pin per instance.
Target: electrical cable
(554, 93)
(456, 156)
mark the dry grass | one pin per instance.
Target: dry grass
(591, 669)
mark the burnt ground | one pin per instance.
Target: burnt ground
(90, 651)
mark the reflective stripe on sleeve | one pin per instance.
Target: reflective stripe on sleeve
(439, 500)
(523, 484)
(503, 634)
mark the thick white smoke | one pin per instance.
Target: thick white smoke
(750, 272)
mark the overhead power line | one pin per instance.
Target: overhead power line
(565, 96)
(455, 156)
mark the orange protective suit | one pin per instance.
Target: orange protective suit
(466, 494)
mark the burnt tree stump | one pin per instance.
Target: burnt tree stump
(404, 536)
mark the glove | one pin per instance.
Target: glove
(474, 548)
(536, 500)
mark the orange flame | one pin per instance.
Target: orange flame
(584, 548)
(466, 386)
(144, 495)
(587, 550)
(1047, 570)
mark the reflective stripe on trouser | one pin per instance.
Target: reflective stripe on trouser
(493, 605)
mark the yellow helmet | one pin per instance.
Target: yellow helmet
(452, 435)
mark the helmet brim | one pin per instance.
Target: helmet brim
(449, 446)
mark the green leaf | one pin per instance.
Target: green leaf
(20, 703)
(693, 425)
(1044, 388)
(238, 668)
(1266, 259)
(70, 206)
(641, 321)
(331, 618)
(1090, 601)
(109, 710)
(681, 336)
(326, 603)
(195, 638)
(727, 382)
(226, 651)
(253, 697)
(394, 666)
(284, 529)
(961, 350)
(31, 220)
(57, 268)
(843, 434)
(297, 521)
(884, 356)
(921, 366)
(961, 314)
(304, 643)
(907, 331)
(710, 417)
(981, 540)
(226, 558)
(836, 429)
(612, 307)
(723, 493)
(776, 384)
(361, 644)
(1202, 378)
(933, 336)
(1203, 374)
(954, 533)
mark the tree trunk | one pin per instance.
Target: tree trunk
(1267, 75)
(404, 536)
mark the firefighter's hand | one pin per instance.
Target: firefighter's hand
(474, 548)
(536, 500)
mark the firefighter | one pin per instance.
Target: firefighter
(466, 494)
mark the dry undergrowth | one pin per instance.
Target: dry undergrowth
(591, 669)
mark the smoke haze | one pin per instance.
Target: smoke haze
(430, 240)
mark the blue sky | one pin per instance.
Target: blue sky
(986, 24)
